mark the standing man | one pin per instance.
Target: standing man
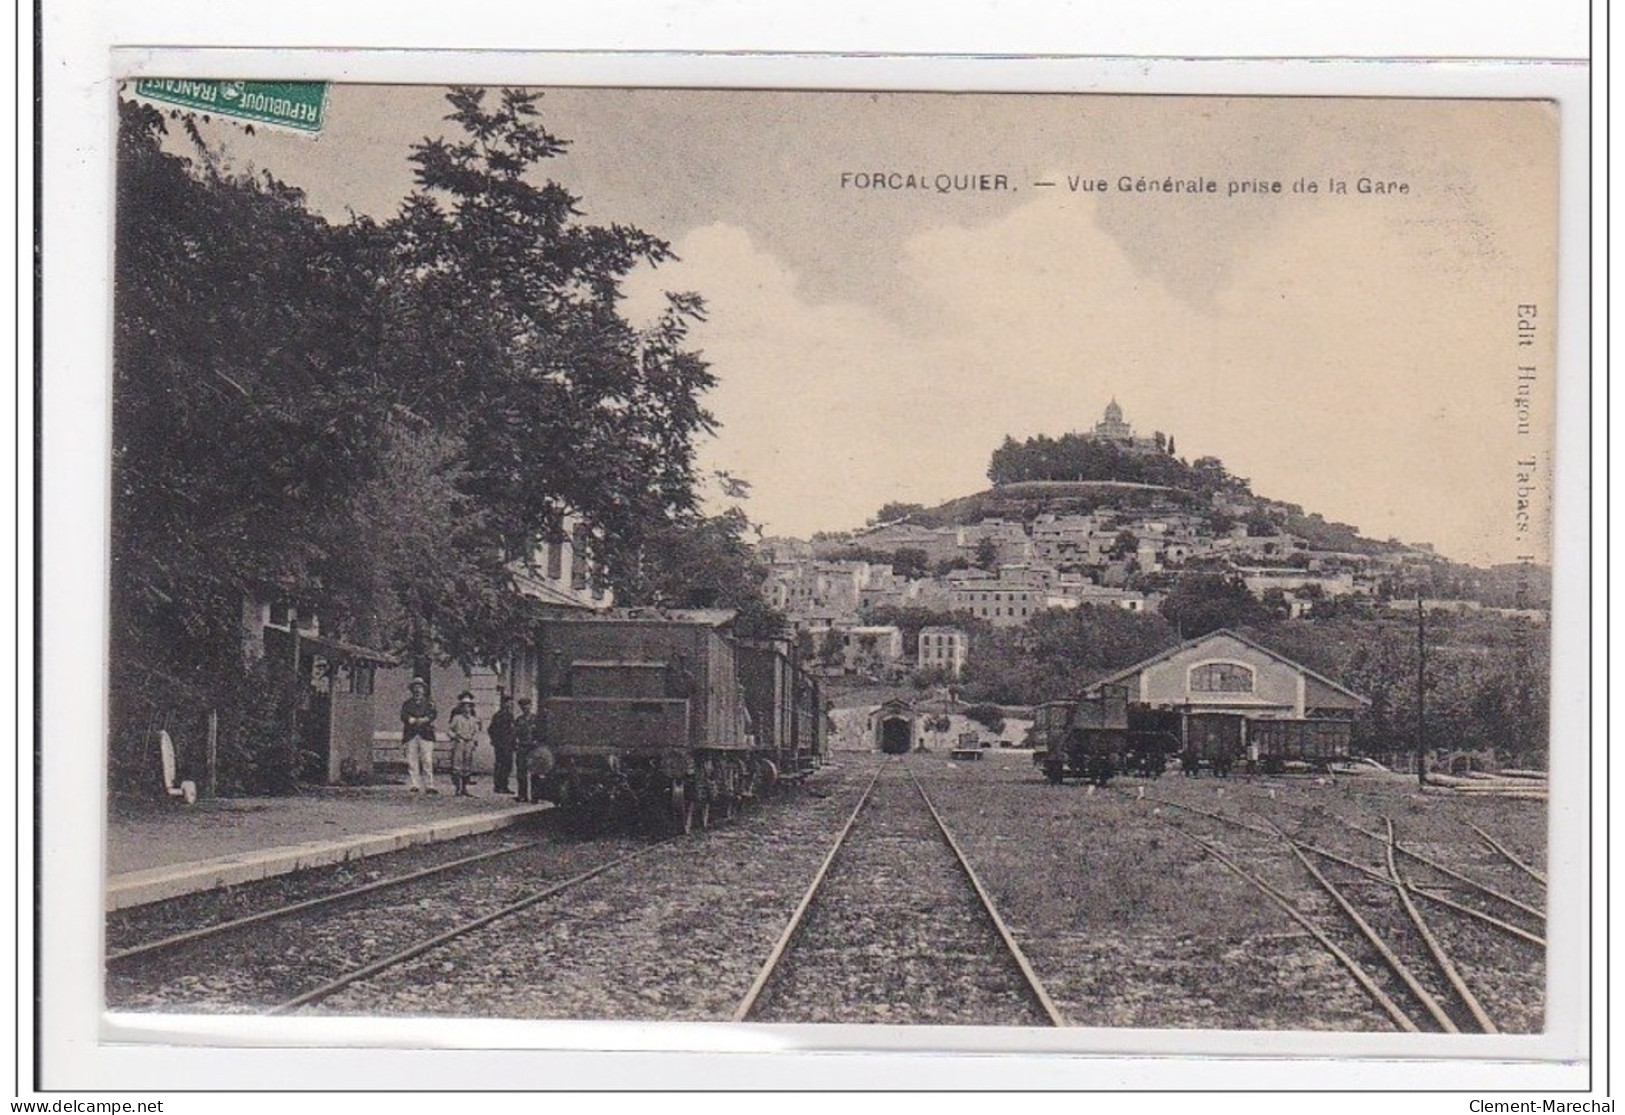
(417, 733)
(524, 736)
(465, 736)
(501, 732)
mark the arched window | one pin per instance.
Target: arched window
(1221, 677)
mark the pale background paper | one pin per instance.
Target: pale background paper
(77, 122)
(1348, 353)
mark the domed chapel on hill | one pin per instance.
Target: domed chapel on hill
(1112, 428)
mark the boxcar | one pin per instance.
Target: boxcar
(1153, 735)
(1049, 727)
(1213, 740)
(783, 706)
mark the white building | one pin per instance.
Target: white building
(943, 647)
(869, 648)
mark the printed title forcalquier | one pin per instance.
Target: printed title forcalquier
(942, 183)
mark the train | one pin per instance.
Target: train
(1083, 738)
(1100, 735)
(669, 716)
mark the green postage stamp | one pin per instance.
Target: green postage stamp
(297, 105)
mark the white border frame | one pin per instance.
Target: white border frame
(77, 272)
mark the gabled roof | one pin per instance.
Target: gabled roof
(541, 591)
(1129, 671)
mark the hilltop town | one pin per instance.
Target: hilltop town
(1103, 518)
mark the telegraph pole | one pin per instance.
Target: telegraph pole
(1421, 691)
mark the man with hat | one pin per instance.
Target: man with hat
(524, 738)
(465, 735)
(501, 732)
(417, 734)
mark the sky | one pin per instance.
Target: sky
(1355, 353)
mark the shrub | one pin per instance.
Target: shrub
(988, 716)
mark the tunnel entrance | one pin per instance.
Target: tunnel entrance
(896, 735)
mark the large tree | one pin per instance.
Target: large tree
(1202, 602)
(244, 417)
(510, 333)
(705, 562)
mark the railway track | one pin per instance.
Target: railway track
(172, 942)
(462, 929)
(1409, 962)
(286, 957)
(589, 928)
(895, 927)
(1434, 895)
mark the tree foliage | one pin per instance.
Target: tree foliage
(705, 562)
(1080, 457)
(512, 335)
(1060, 652)
(1487, 682)
(895, 512)
(373, 420)
(1202, 602)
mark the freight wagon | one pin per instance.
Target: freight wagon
(1318, 743)
(668, 715)
(1085, 738)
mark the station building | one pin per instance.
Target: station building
(1227, 689)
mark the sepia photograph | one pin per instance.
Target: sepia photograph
(877, 558)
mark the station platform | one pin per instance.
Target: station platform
(163, 850)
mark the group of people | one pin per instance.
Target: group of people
(513, 737)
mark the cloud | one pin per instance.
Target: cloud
(822, 405)
(1344, 363)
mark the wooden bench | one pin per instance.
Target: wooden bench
(389, 754)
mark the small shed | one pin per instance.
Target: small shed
(337, 710)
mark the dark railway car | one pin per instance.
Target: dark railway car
(1153, 736)
(644, 713)
(1318, 743)
(1212, 740)
(809, 725)
(1049, 728)
(1085, 738)
(778, 700)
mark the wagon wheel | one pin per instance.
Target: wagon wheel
(682, 810)
(767, 775)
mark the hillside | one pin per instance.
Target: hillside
(1026, 500)
(1077, 474)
